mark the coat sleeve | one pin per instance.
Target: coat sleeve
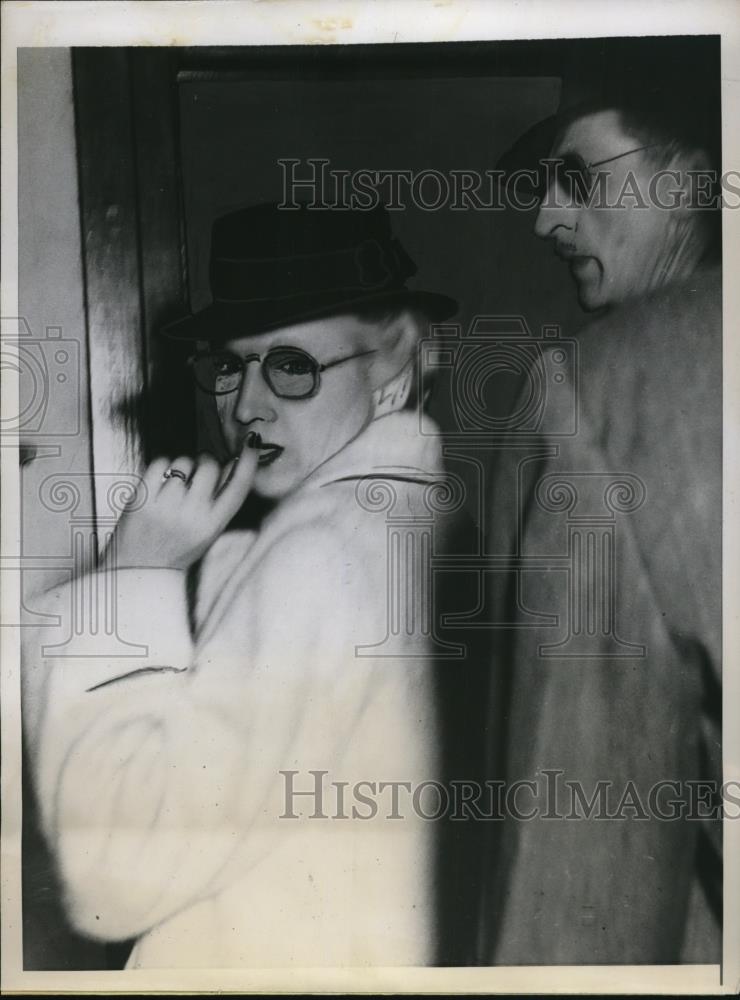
(117, 749)
(160, 779)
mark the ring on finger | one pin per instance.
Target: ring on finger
(172, 473)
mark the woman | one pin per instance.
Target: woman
(206, 797)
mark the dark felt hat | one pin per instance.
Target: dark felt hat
(670, 85)
(273, 267)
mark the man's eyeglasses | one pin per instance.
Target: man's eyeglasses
(575, 177)
(290, 372)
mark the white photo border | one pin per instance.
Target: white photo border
(298, 22)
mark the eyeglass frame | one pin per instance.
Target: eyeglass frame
(588, 166)
(249, 358)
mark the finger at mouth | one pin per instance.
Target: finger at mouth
(226, 473)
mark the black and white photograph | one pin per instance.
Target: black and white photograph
(368, 497)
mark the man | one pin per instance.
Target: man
(620, 205)
(606, 684)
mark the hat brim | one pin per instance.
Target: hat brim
(531, 147)
(225, 321)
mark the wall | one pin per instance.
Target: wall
(55, 434)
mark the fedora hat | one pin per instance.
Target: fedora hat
(671, 84)
(272, 267)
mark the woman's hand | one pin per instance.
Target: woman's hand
(171, 523)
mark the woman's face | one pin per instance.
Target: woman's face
(298, 435)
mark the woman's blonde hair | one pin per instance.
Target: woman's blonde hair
(399, 328)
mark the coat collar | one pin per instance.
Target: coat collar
(389, 447)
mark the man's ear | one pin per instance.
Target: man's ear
(696, 180)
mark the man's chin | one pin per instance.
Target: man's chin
(588, 275)
(591, 297)
(590, 305)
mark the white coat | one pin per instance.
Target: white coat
(159, 775)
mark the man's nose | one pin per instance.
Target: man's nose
(554, 214)
(255, 400)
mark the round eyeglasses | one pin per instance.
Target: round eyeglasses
(289, 372)
(576, 178)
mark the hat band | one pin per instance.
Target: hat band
(369, 267)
